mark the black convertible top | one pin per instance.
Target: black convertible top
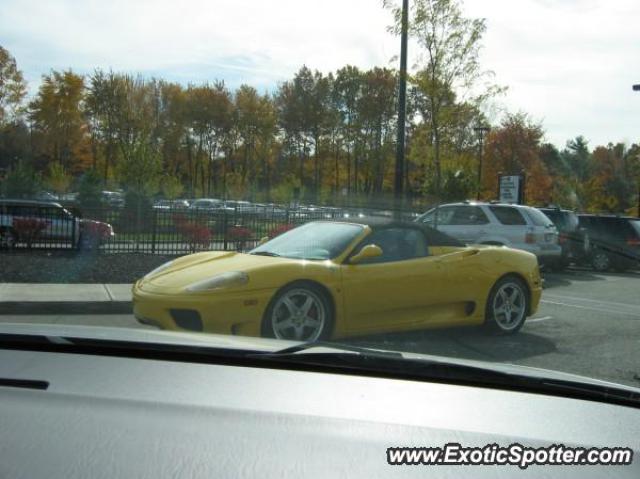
(434, 237)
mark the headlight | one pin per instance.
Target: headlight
(159, 269)
(224, 280)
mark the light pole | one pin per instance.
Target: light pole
(402, 104)
(481, 130)
(636, 87)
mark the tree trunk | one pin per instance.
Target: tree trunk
(436, 147)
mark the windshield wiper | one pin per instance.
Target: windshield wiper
(335, 349)
(266, 253)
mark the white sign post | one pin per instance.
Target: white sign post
(510, 189)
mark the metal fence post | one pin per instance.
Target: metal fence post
(154, 218)
(224, 229)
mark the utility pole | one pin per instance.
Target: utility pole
(481, 130)
(636, 87)
(402, 106)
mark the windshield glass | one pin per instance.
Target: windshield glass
(313, 241)
(279, 169)
(538, 217)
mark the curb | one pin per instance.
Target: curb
(66, 307)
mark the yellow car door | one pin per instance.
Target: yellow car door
(399, 289)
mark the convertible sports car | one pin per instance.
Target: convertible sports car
(332, 279)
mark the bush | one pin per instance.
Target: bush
(240, 235)
(29, 229)
(278, 230)
(197, 236)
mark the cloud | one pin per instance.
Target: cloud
(570, 63)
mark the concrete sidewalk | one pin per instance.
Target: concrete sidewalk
(44, 298)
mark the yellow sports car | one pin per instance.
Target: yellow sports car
(332, 279)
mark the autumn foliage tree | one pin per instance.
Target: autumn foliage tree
(512, 148)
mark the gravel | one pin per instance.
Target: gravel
(76, 267)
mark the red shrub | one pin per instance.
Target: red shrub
(278, 230)
(240, 235)
(192, 233)
(28, 229)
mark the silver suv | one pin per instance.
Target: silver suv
(515, 226)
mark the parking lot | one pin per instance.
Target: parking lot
(587, 324)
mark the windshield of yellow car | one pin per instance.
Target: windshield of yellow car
(313, 241)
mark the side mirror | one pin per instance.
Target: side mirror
(369, 251)
(263, 240)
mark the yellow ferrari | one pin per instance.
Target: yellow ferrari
(332, 279)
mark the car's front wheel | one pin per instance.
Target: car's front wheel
(507, 306)
(299, 312)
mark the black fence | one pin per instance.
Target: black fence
(159, 230)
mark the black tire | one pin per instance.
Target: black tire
(601, 261)
(493, 323)
(323, 306)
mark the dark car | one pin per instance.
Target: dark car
(48, 224)
(570, 236)
(613, 242)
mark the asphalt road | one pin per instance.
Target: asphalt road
(587, 324)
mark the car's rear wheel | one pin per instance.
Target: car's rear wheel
(600, 261)
(507, 306)
(299, 312)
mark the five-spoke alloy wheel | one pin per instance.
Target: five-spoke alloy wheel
(300, 312)
(507, 306)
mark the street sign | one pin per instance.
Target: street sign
(511, 188)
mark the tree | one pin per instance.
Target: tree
(58, 179)
(13, 87)
(135, 124)
(210, 119)
(514, 147)
(104, 101)
(90, 189)
(449, 61)
(171, 186)
(15, 144)
(376, 113)
(611, 185)
(58, 119)
(565, 190)
(22, 181)
(302, 109)
(347, 90)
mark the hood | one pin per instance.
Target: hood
(54, 332)
(196, 267)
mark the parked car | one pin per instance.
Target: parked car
(45, 196)
(207, 204)
(47, 221)
(516, 226)
(113, 198)
(372, 269)
(570, 236)
(171, 205)
(613, 242)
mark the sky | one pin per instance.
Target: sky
(569, 64)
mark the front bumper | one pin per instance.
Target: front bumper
(238, 313)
